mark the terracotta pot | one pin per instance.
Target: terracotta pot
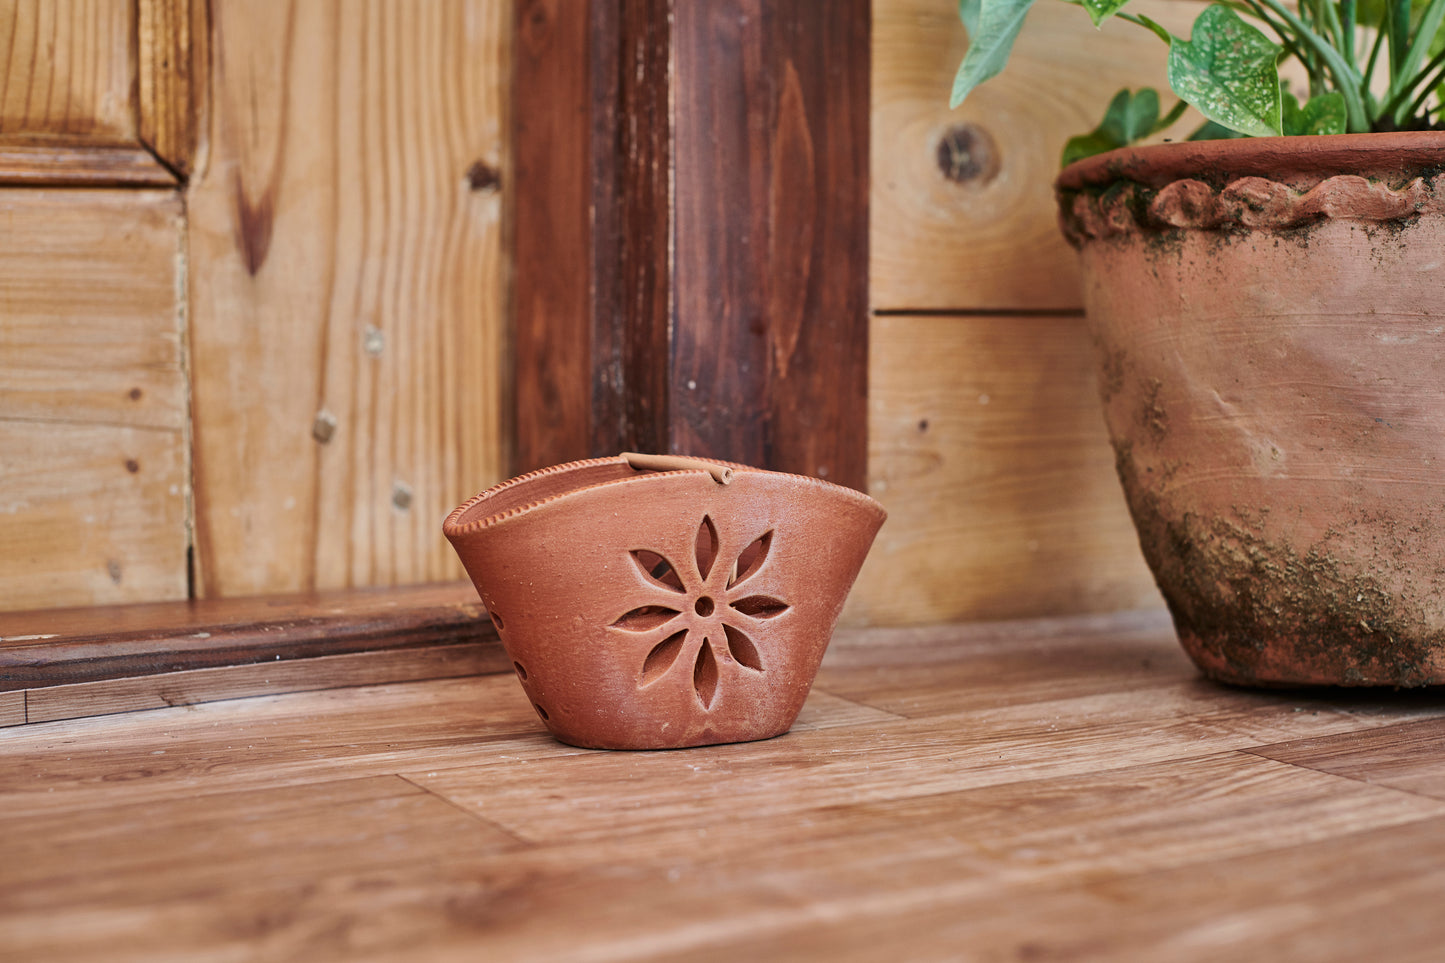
(1269, 319)
(655, 609)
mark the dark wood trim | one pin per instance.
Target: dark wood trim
(551, 197)
(59, 647)
(691, 225)
(631, 284)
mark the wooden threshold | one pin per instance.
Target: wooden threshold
(72, 663)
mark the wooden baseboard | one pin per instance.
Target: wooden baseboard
(71, 663)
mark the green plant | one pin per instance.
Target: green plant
(1373, 65)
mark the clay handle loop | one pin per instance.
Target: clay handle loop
(639, 462)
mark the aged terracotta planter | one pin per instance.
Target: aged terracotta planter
(1269, 319)
(650, 602)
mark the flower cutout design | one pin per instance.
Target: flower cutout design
(703, 612)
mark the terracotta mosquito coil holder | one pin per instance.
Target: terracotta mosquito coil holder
(657, 602)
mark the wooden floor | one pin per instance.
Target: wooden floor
(1031, 791)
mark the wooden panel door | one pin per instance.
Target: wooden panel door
(94, 460)
(346, 290)
(267, 355)
(100, 91)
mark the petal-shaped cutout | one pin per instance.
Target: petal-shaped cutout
(751, 559)
(706, 545)
(645, 618)
(743, 650)
(662, 657)
(761, 606)
(657, 569)
(704, 675)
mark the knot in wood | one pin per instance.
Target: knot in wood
(968, 155)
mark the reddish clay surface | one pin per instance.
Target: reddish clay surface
(1272, 358)
(657, 610)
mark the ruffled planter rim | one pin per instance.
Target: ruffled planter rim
(1157, 165)
(1253, 184)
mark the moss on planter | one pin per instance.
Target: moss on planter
(1245, 603)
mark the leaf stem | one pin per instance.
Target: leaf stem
(1286, 40)
(1147, 24)
(1347, 31)
(1409, 73)
(1432, 74)
(1347, 80)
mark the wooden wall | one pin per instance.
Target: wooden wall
(986, 440)
(252, 303)
(346, 292)
(251, 295)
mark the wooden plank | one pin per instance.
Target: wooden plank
(718, 303)
(436, 725)
(770, 362)
(12, 709)
(1406, 756)
(741, 886)
(125, 644)
(599, 794)
(346, 291)
(83, 881)
(269, 741)
(761, 883)
(91, 332)
(173, 37)
(550, 198)
(962, 204)
(185, 688)
(1132, 824)
(111, 165)
(1369, 895)
(68, 70)
(988, 447)
(94, 467)
(92, 91)
(933, 670)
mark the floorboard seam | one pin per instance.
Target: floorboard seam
(504, 830)
(1342, 775)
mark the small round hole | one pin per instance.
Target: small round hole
(704, 606)
(540, 711)
(496, 619)
(521, 671)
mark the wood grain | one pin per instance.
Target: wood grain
(1403, 756)
(988, 448)
(296, 674)
(68, 70)
(772, 124)
(56, 165)
(1353, 896)
(91, 91)
(93, 462)
(173, 41)
(12, 708)
(346, 292)
(985, 238)
(94, 660)
(89, 664)
(435, 820)
(717, 305)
